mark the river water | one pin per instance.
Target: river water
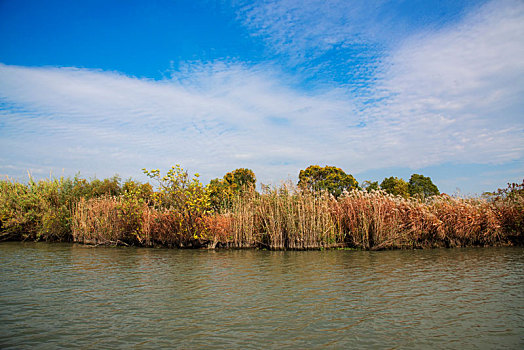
(73, 296)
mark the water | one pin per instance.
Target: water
(65, 296)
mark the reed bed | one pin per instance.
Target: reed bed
(293, 219)
(279, 218)
(107, 221)
(296, 220)
(98, 221)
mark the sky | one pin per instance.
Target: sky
(378, 88)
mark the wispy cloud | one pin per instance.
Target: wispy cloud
(458, 93)
(308, 29)
(452, 94)
(340, 40)
(211, 117)
(450, 91)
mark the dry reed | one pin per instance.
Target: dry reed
(288, 218)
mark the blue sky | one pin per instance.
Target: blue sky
(378, 88)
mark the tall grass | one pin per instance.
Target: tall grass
(284, 217)
(43, 210)
(292, 219)
(99, 221)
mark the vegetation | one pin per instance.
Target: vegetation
(229, 212)
(222, 191)
(422, 186)
(395, 186)
(43, 209)
(370, 185)
(329, 178)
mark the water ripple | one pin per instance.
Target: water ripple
(64, 296)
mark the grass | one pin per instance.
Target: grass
(105, 212)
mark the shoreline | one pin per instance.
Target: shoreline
(204, 248)
(282, 218)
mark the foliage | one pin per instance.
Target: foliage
(106, 187)
(219, 195)
(422, 186)
(21, 209)
(83, 188)
(395, 186)
(510, 207)
(133, 202)
(142, 191)
(329, 178)
(177, 191)
(222, 191)
(184, 195)
(42, 210)
(370, 185)
(178, 215)
(512, 191)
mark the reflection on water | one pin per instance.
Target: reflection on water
(56, 295)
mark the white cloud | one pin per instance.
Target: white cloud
(457, 94)
(308, 29)
(211, 119)
(452, 95)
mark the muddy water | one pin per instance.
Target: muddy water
(67, 296)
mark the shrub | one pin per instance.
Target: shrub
(185, 197)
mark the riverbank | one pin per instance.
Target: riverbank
(304, 221)
(279, 218)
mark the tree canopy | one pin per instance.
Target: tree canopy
(328, 178)
(420, 185)
(395, 186)
(370, 185)
(241, 178)
(221, 190)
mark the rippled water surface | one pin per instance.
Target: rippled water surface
(58, 295)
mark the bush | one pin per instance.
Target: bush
(184, 197)
(42, 210)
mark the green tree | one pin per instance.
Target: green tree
(109, 186)
(370, 185)
(133, 202)
(420, 185)
(219, 195)
(221, 191)
(136, 189)
(328, 178)
(395, 186)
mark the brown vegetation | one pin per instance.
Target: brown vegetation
(283, 219)
(278, 218)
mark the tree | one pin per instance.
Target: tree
(240, 179)
(420, 185)
(395, 186)
(142, 191)
(219, 195)
(221, 191)
(184, 196)
(328, 178)
(370, 185)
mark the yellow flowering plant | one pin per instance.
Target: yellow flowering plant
(185, 195)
